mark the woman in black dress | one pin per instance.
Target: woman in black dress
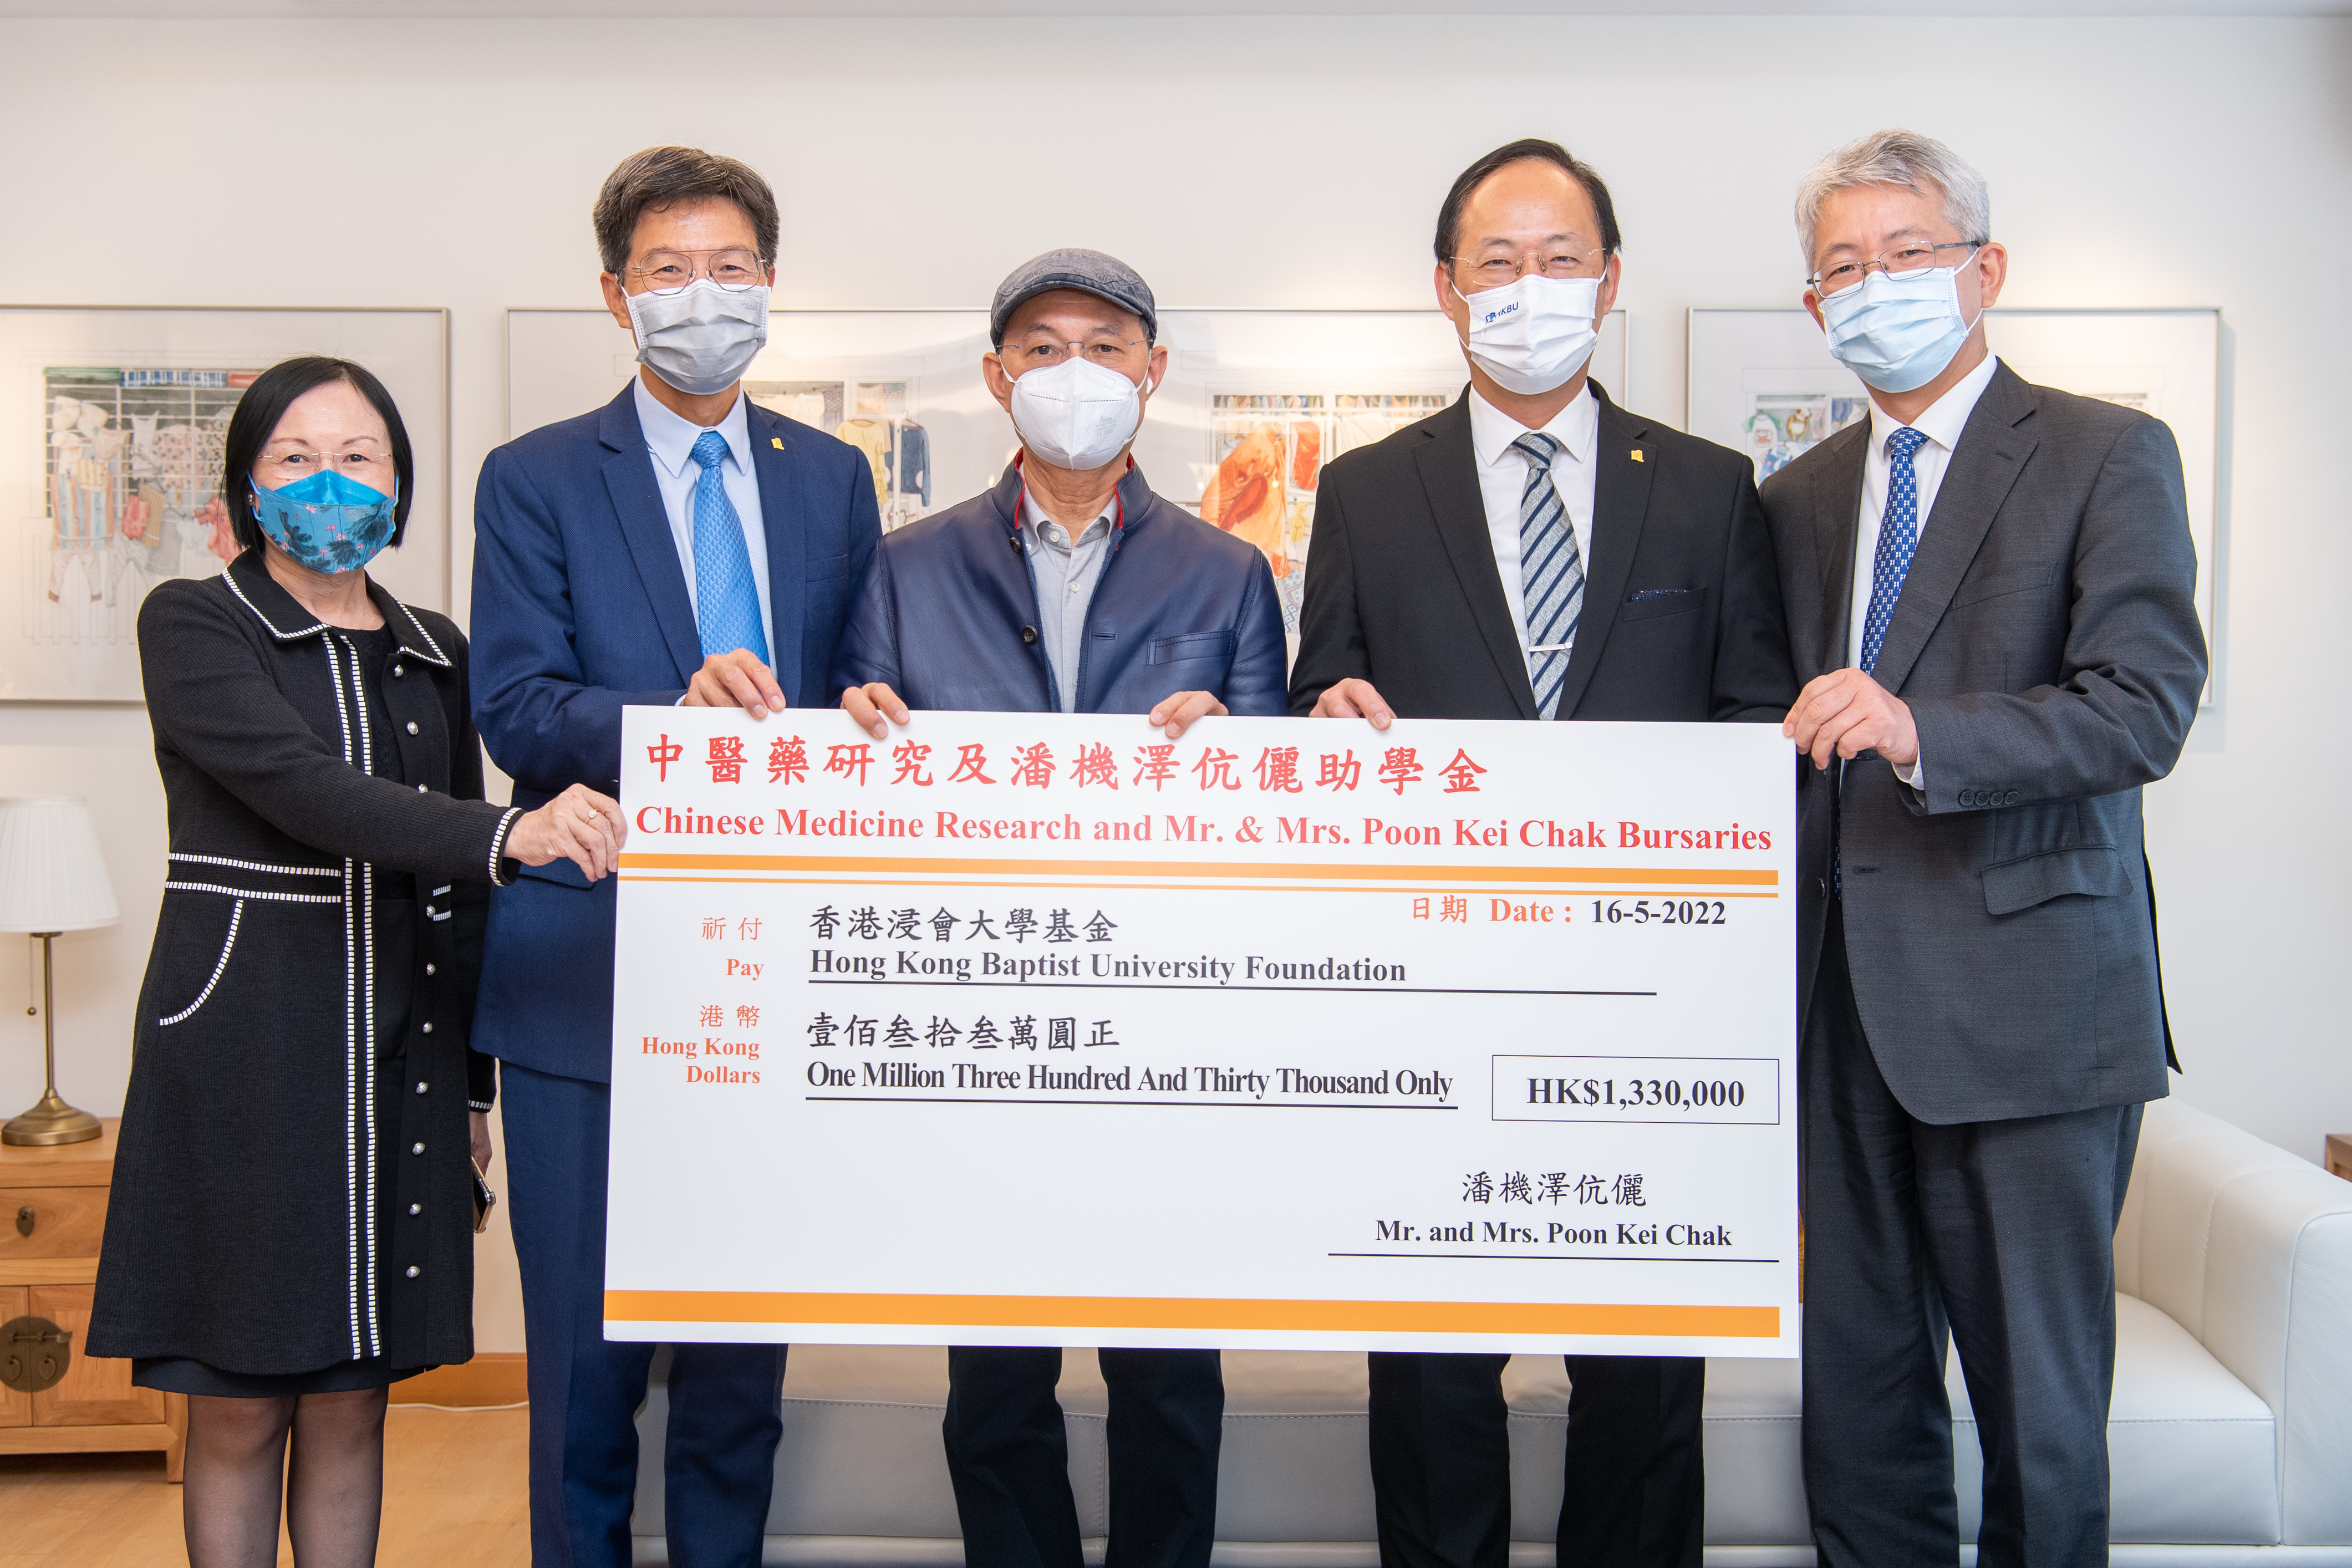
(291, 1224)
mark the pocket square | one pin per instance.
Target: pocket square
(1641, 593)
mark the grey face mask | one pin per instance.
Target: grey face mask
(701, 339)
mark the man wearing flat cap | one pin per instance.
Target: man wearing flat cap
(1070, 587)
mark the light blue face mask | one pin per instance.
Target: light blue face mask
(327, 522)
(1898, 333)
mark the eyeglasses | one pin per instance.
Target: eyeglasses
(1909, 257)
(1112, 353)
(371, 467)
(668, 271)
(1498, 271)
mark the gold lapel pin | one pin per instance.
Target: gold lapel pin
(1637, 454)
(778, 443)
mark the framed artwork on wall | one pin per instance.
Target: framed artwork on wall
(111, 425)
(1253, 404)
(1763, 380)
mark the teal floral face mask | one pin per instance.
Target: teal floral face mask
(327, 522)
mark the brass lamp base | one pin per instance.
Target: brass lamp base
(50, 1122)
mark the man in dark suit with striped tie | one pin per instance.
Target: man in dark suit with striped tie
(1536, 552)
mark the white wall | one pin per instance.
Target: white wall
(1271, 161)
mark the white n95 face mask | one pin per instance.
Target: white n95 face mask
(1075, 414)
(1898, 334)
(1534, 334)
(701, 339)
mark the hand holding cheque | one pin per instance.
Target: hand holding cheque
(868, 705)
(1845, 713)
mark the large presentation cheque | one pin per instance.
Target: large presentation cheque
(1043, 1029)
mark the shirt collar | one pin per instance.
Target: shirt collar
(1943, 419)
(1577, 428)
(671, 438)
(1034, 520)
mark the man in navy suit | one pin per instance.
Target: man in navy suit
(1071, 587)
(679, 545)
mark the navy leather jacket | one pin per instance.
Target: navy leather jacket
(948, 613)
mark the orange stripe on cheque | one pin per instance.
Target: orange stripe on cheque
(852, 867)
(1187, 1312)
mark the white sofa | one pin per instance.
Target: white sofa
(2231, 1437)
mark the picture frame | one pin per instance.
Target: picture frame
(1255, 401)
(111, 419)
(1763, 381)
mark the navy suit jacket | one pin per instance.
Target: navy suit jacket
(949, 615)
(581, 609)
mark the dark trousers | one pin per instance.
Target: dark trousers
(1635, 1479)
(725, 1401)
(1998, 1234)
(1009, 1456)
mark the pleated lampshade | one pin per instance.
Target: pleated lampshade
(52, 872)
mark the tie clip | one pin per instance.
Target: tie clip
(1551, 648)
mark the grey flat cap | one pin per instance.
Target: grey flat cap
(1105, 277)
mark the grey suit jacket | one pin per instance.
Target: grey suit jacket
(1999, 926)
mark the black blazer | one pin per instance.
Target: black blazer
(1682, 615)
(243, 1230)
(1180, 606)
(1998, 928)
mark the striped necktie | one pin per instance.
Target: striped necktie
(726, 600)
(1551, 571)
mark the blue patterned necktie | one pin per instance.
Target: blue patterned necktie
(1898, 536)
(1549, 571)
(726, 600)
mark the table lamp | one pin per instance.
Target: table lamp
(52, 880)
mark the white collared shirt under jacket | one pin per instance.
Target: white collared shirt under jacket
(1503, 480)
(1941, 423)
(669, 440)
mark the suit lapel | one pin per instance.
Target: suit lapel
(780, 520)
(1837, 504)
(1992, 453)
(1448, 465)
(1620, 503)
(644, 524)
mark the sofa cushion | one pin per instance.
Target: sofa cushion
(860, 1457)
(2192, 1450)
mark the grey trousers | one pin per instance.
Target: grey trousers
(1998, 1234)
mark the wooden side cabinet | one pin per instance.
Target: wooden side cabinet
(52, 1214)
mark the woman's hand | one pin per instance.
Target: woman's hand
(579, 825)
(477, 1134)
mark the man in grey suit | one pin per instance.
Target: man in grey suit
(1989, 593)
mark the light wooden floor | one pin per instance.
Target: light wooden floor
(453, 1498)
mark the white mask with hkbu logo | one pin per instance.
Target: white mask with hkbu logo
(1534, 334)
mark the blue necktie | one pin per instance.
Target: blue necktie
(726, 600)
(1549, 571)
(1898, 536)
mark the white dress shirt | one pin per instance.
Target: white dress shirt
(669, 439)
(1941, 423)
(1066, 571)
(1503, 480)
